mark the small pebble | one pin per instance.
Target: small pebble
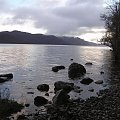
(46, 94)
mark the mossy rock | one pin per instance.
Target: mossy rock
(76, 70)
(8, 107)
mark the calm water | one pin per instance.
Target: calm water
(31, 66)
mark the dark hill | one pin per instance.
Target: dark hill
(17, 37)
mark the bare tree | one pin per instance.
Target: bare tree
(112, 26)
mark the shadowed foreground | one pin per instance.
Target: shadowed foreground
(104, 107)
(8, 107)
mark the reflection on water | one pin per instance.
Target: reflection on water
(114, 72)
(31, 66)
(4, 93)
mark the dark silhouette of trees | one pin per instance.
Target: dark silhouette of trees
(112, 26)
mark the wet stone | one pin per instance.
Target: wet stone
(86, 81)
(39, 101)
(43, 87)
(76, 70)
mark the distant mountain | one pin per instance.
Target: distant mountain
(18, 37)
(77, 41)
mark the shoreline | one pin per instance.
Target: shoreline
(104, 107)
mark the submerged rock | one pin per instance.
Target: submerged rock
(86, 81)
(76, 70)
(57, 68)
(99, 82)
(46, 94)
(63, 85)
(39, 101)
(77, 89)
(104, 85)
(30, 92)
(88, 63)
(43, 87)
(60, 98)
(91, 90)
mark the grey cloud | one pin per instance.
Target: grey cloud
(67, 19)
(58, 19)
(46, 19)
(48, 3)
(85, 3)
(84, 30)
(56, 25)
(3, 6)
(87, 16)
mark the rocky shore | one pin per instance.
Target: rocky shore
(104, 107)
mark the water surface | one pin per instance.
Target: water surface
(31, 66)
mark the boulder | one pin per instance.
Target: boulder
(5, 77)
(57, 68)
(91, 90)
(43, 87)
(101, 72)
(3, 80)
(63, 85)
(99, 82)
(39, 101)
(8, 76)
(76, 70)
(60, 98)
(86, 81)
(88, 63)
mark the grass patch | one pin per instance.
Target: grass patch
(8, 107)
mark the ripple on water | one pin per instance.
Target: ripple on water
(32, 64)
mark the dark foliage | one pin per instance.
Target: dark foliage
(8, 107)
(112, 26)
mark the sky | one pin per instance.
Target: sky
(79, 18)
